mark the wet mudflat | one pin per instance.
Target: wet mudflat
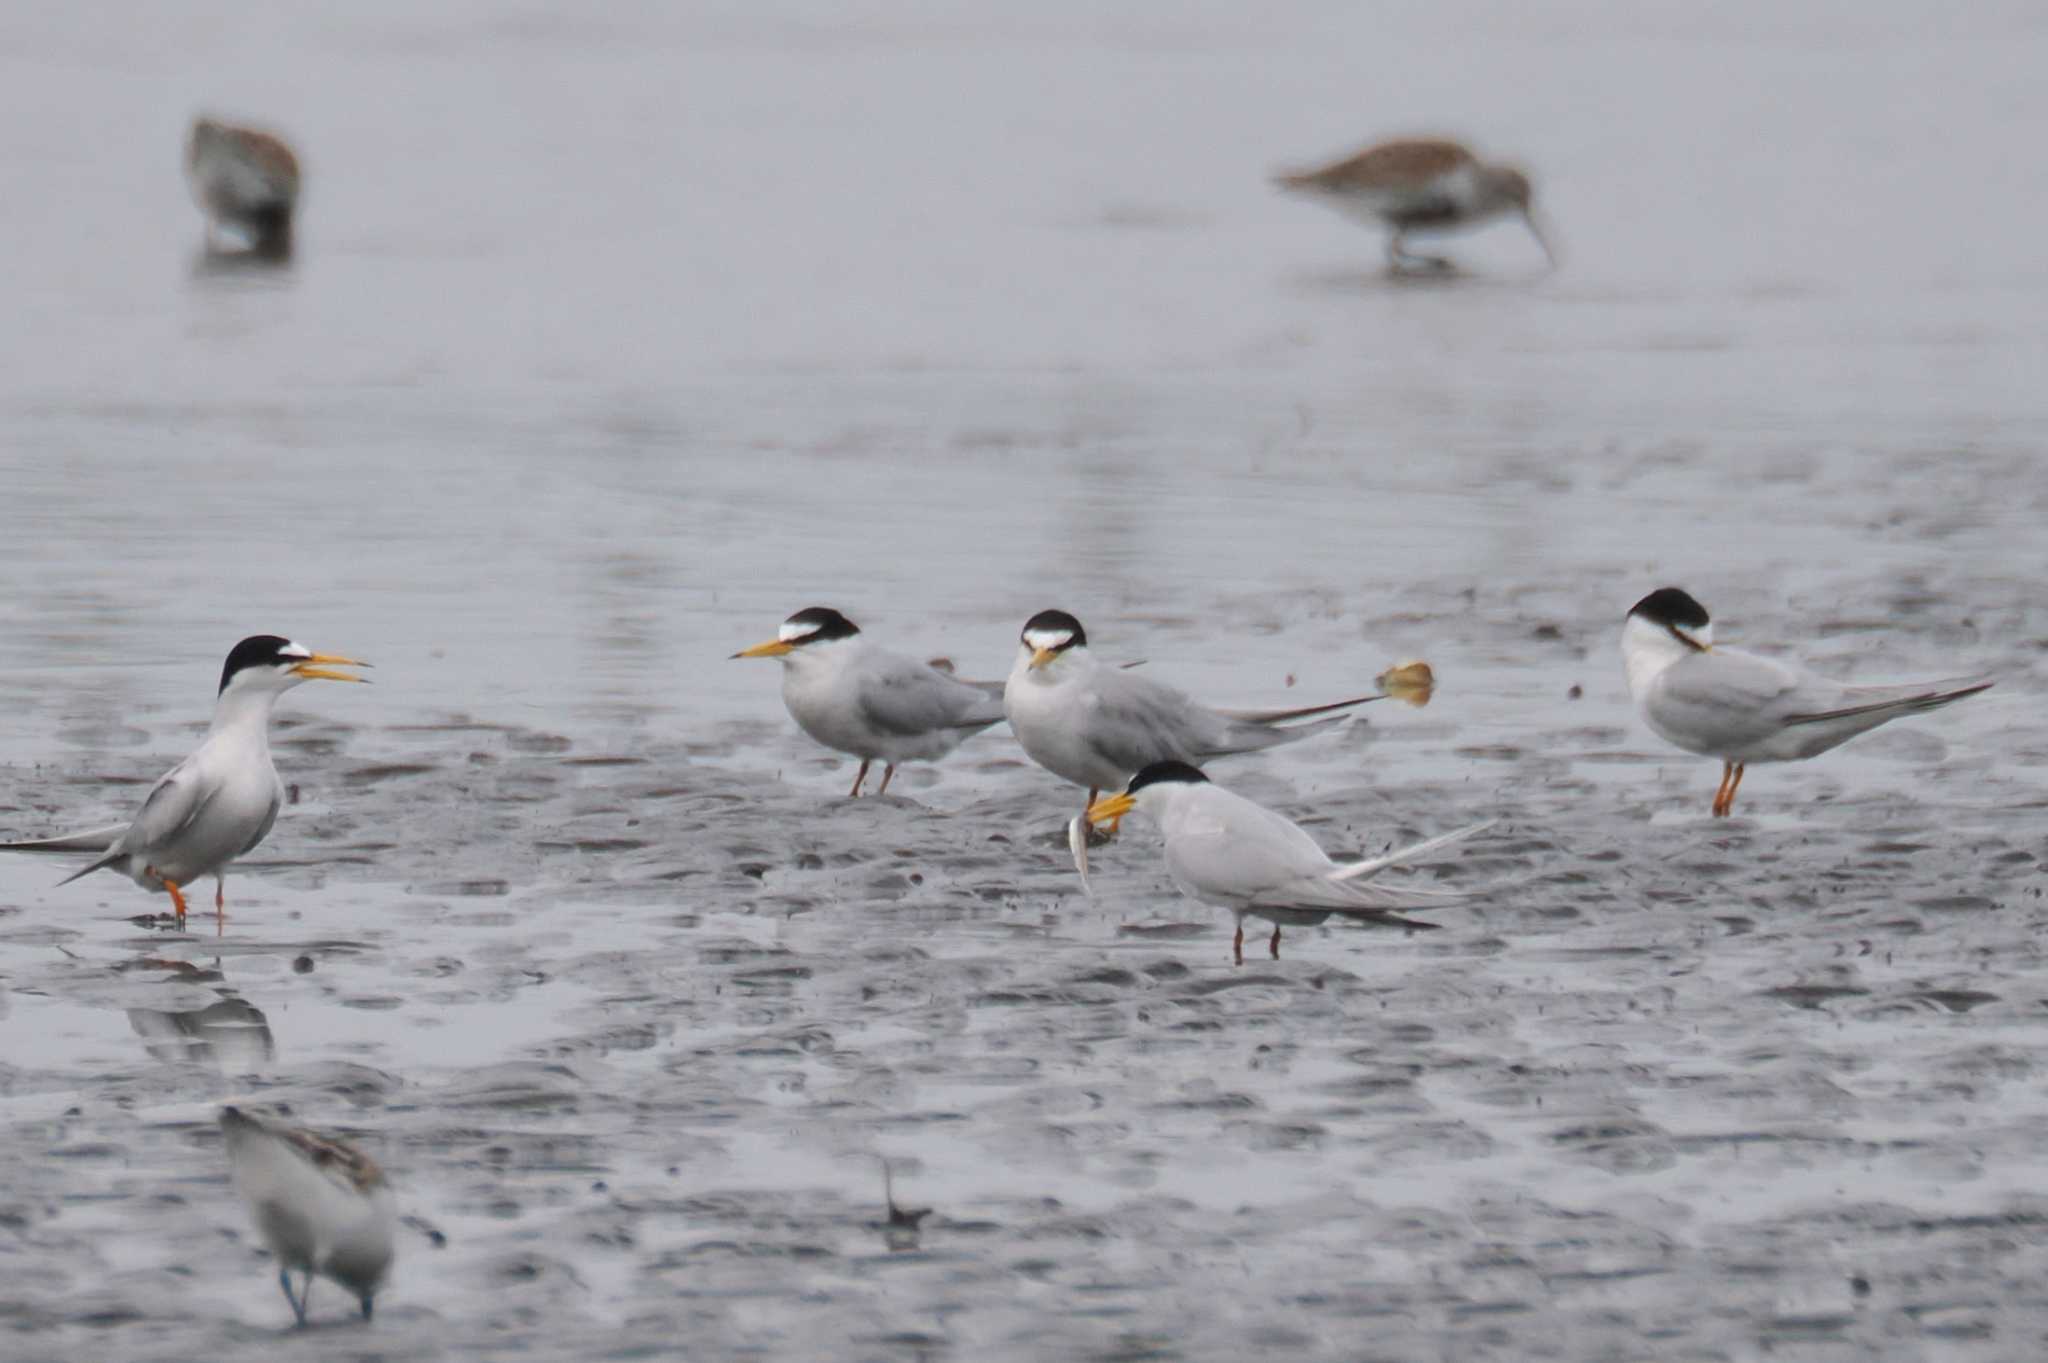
(579, 935)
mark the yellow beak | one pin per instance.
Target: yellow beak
(1040, 657)
(774, 648)
(312, 668)
(1110, 808)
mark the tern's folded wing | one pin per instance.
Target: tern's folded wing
(173, 802)
(1130, 722)
(1727, 697)
(907, 697)
(1873, 701)
(1231, 851)
(1343, 896)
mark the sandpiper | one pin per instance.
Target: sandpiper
(1420, 184)
(321, 1205)
(244, 179)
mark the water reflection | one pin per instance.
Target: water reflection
(230, 1034)
(265, 267)
(902, 1230)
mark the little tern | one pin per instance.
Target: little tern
(244, 179)
(217, 804)
(1741, 708)
(879, 706)
(1096, 725)
(1225, 850)
(321, 1205)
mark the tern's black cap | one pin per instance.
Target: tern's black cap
(816, 623)
(1159, 773)
(1670, 606)
(1057, 622)
(259, 650)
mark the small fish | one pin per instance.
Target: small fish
(1077, 843)
(1413, 682)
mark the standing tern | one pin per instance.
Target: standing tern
(880, 706)
(217, 804)
(244, 179)
(1741, 708)
(1223, 849)
(1096, 725)
(321, 1205)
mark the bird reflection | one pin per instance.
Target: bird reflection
(903, 1228)
(230, 1034)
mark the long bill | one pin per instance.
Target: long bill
(774, 648)
(1110, 808)
(1542, 235)
(320, 667)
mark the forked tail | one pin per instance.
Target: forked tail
(1372, 866)
(88, 840)
(1887, 701)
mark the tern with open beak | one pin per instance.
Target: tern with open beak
(220, 802)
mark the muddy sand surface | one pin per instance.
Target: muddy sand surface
(617, 335)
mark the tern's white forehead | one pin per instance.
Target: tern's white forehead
(793, 630)
(294, 650)
(1048, 638)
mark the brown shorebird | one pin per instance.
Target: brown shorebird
(246, 180)
(1420, 184)
(320, 1205)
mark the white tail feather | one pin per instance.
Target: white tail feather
(1372, 866)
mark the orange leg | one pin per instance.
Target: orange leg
(1237, 944)
(859, 777)
(1728, 805)
(1108, 830)
(220, 905)
(177, 900)
(1274, 945)
(1721, 791)
(887, 772)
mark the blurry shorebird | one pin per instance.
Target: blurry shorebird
(220, 802)
(1096, 725)
(320, 1205)
(1741, 708)
(879, 706)
(1420, 184)
(1225, 850)
(245, 180)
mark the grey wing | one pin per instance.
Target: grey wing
(1132, 722)
(174, 802)
(263, 829)
(905, 697)
(1243, 854)
(1725, 698)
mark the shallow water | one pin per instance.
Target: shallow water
(616, 338)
